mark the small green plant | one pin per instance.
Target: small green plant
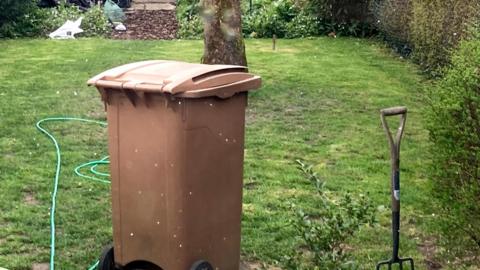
(324, 234)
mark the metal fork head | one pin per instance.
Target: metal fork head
(399, 261)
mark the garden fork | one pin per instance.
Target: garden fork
(395, 184)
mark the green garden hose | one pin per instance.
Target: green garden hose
(92, 164)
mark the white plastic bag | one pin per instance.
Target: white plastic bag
(67, 30)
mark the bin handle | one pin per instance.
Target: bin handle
(224, 91)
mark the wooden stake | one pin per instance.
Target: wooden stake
(274, 41)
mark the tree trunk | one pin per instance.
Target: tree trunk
(223, 33)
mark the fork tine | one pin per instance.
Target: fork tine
(382, 263)
(412, 265)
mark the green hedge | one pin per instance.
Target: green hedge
(430, 28)
(392, 18)
(454, 125)
(436, 28)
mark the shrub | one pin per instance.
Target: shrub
(40, 22)
(340, 11)
(303, 25)
(343, 17)
(454, 126)
(94, 22)
(18, 18)
(285, 18)
(190, 28)
(392, 18)
(437, 27)
(270, 19)
(323, 235)
(189, 21)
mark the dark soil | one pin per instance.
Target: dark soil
(428, 249)
(149, 24)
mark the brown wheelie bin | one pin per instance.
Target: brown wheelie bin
(176, 137)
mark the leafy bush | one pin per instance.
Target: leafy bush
(94, 22)
(189, 21)
(40, 22)
(437, 27)
(283, 18)
(303, 25)
(323, 235)
(17, 18)
(270, 19)
(190, 28)
(290, 19)
(454, 125)
(392, 18)
(342, 17)
(340, 11)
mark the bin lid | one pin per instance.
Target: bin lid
(178, 78)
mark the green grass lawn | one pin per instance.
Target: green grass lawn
(319, 102)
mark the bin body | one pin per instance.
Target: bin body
(177, 175)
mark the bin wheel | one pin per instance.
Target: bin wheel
(107, 261)
(201, 265)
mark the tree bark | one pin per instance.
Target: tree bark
(223, 33)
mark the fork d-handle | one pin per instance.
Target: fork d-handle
(394, 142)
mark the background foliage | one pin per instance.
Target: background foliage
(288, 18)
(431, 29)
(17, 18)
(94, 22)
(454, 125)
(436, 28)
(392, 18)
(23, 18)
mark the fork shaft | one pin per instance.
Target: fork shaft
(396, 206)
